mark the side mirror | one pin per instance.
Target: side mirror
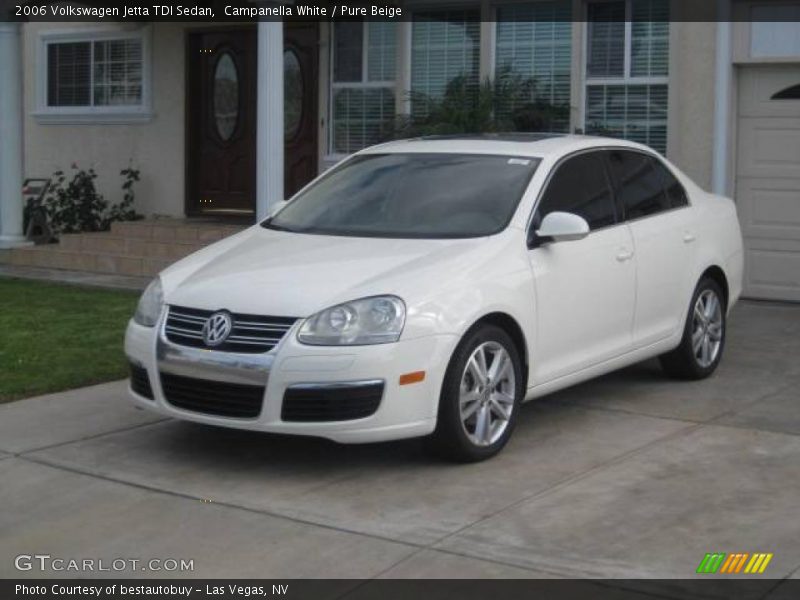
(277, 207)
(563, 227)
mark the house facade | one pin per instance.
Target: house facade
(224, 120)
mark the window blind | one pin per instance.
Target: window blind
(634, 112)
(534, 42)
(650, 38)
(99, 73)
(381, 51)
(69, 74)
(360, 117)
(605, 52)
(362, 91)
(348, 48)
(445, 45)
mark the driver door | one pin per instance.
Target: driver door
(585, 289)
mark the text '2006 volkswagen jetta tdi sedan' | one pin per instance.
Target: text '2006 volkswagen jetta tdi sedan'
(430, 286)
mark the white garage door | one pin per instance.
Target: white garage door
(768, 180)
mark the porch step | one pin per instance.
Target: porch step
(137, 248)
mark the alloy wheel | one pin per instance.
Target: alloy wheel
(487, 393)
(707, 324)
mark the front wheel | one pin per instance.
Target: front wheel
(703, 340)
(480, 396)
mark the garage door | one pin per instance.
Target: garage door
(768, 180)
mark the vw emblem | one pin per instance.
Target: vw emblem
(217, 328)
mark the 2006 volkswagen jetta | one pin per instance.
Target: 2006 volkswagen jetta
(430, 286)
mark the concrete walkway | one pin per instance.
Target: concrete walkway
(632, 475)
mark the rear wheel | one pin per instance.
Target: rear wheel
(480, 396)
(703, 339)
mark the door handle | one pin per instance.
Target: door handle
(688, 237)
(624, 254)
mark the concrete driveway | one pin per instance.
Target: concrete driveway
(631, 475)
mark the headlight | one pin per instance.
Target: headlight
(149, 307)
(376, 320)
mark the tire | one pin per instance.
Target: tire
(478, 431)
(703, 341)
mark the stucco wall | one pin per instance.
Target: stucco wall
(691, 98)
(155, 147)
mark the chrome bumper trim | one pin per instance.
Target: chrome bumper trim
(230, 367)
(335, 385)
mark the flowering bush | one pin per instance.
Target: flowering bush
(75, 206)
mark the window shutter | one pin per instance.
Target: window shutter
(534, 45)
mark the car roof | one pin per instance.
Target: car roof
(538, 145)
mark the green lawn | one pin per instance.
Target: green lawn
(55, 337)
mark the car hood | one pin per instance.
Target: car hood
(262, 271)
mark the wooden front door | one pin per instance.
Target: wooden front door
(221, 122)
(300, 81)
(222, 108)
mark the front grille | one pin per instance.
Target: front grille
(140, 382)
(251, 334)
(213, 397)
(333, 403)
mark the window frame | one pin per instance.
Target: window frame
(619, 215)
(622, 217)
(626, 79)
(91, 114)
(365, 83)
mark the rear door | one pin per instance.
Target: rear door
(657, 212)
(584, 289)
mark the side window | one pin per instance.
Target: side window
(638, 184)
(580, 186)
(672, 187)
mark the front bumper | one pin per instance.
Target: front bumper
(404, 411)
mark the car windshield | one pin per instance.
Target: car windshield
(411, 195)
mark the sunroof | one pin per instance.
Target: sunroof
(497, 137)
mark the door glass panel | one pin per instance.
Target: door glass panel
(226, 96)
(639, 184)
(292, 94)
(580, 186)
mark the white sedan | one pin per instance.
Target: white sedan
(428, 287)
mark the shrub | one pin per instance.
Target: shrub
(511, 102)
(75, 206)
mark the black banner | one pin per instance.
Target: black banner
(324, 10)
(561, 589)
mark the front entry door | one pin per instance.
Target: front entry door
(300, 81)
(222, 107)
(221, 122)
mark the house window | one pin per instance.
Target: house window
(362, 86)
(627, 70)
(445, 46)
(94, 75)
(101, 73)
(533, 65)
